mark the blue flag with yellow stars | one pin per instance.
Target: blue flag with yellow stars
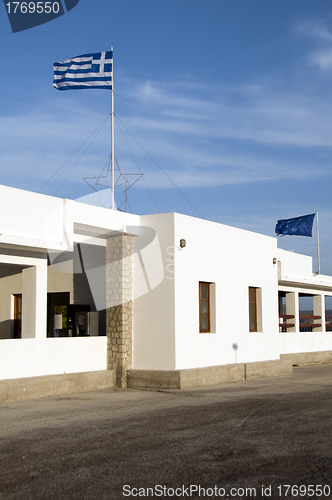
(298, 226)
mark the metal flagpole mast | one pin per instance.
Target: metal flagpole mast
(112, 132)
(318, 242)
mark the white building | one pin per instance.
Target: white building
(92, 297)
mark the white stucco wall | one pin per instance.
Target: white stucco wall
(319, 286)
(34, 220)
(35, 224)
(53, 356)
(154, 303)
(98, 221)
(305, 342)
(165, 288)
(40, 221)
(234, 260)
(293, 264)
(10, 284)
(231, 258)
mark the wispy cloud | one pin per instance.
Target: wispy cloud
(231, 135)
(270, 113)
(317, 31)
(37, 143)
(200, 134)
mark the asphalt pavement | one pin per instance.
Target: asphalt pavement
(268, 438)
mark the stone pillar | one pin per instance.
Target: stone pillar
(119, 306)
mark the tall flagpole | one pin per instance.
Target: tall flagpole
(112, 132)
(318, 243)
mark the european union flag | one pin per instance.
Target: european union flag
(298, 226)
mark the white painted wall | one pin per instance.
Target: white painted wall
(305, 342)
(165, 288)
(98, 220)
(10, 284)
(154, 304)
(21, 358)
(34, 288)
(11, 278)
(33, 220)
(233, 259)
(318, 340)
(38, 223)
(36, 220)
(293, 264)
(166, 319)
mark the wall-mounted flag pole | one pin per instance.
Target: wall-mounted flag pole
(88, 71)
(299, 226)
(318, 255)
(112, 134)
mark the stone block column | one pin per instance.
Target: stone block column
(119, 322)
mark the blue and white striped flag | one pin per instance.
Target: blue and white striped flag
(93, 71)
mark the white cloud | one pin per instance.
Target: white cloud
(269, 113)
(201, 142)
(200, 134)
(321, 54)
(37, 143)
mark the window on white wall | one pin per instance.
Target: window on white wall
(17, 316)
(255, 309)
(207, 320)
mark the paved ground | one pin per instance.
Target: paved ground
(223, 439)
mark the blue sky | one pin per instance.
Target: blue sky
(232, 99)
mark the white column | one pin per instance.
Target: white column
(292, 307)
(34, 301)
(319, 310)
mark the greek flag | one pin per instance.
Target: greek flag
(94, 71)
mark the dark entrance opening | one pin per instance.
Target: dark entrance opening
(57, 314)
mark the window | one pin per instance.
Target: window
(17, 316)
(255, 309)
(207, 307)
(252, 309)
(204, 308)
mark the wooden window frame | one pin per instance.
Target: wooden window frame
(206, 300)
(254, 302)
(17, 333)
